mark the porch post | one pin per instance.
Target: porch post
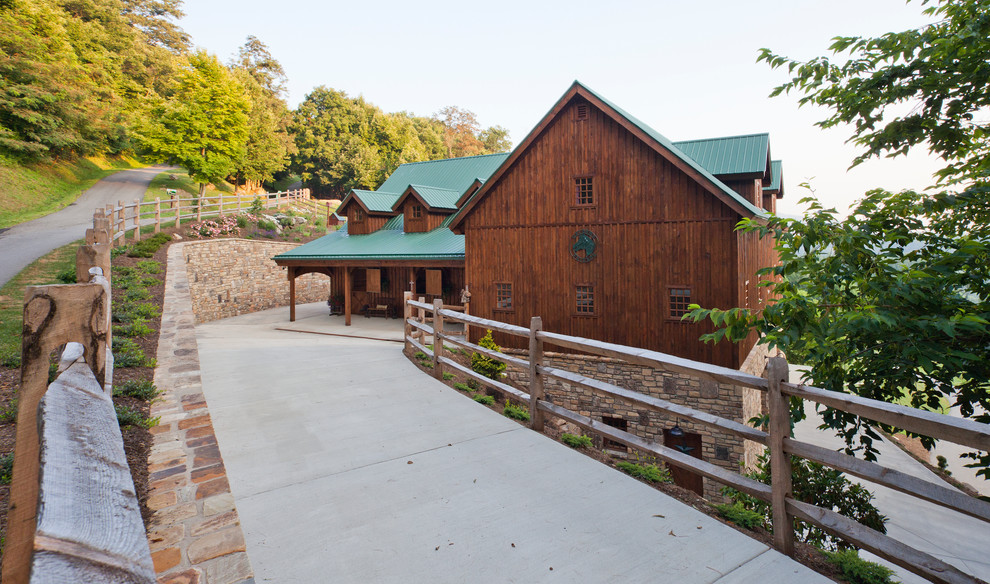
(347, 296)
(291, 270)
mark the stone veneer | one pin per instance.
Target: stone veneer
(229, 277)
(724, 400)
(195, 534)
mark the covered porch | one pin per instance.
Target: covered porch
(376, 287)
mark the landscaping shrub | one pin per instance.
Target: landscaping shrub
(485, 365)
(6, 468)
(463, 387)
(484, 399)
(648, 472)
(130, 417)
(67, 276)
(740, 515)
(515, 412)
(127, 353)
(215, 227)
(447, 376)
(576, 441)
(137, 328)
(267, 226)
(856, 570)
(146, 248)
(257, 207)
(139, 389)
(242, 221)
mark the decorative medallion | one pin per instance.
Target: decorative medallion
(584, 246)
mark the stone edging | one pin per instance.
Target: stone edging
(195, 534)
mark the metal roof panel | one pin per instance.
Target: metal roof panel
(730, 154)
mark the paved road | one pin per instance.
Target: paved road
(22, 244)
(348, 464)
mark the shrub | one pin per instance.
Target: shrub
(146, 248)
(142, 390)
(130, 417)
(285, 221)
(741, 516)
(127, 353)
(11, 359)
(8, 413)
(515, 412)
(856, 570)
(215, 227)
(576, 441)
(484, 364)
(421, 355)
(150, 267)
(137, 294)
(648, 472)
(67, 276)
(484, 399)
(138, 328)
(257, 207)
(821, 486)
(266, 225)
(447, 376)
(6, 468)
(242, 221)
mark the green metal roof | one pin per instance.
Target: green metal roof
(376, 201)
(437, 198)
(388, 243)
(731, 154)
(776, 172)
(455, 174)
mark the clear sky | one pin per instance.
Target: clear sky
(688, 69)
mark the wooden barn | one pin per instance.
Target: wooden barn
(608, 230)
(395, 238)
(595, 222)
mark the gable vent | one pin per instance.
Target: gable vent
(582, 111)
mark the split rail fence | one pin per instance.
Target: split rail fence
(423, 320)
(73, 514)
(127, 219)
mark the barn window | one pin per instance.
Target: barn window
(585, 299)
(581, 112)
(679, 300)
(417, 211)
(503, 296)
(584, 191)
(358, 215)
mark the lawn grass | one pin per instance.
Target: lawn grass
(43, 271)
(283, 184)
(36, 190)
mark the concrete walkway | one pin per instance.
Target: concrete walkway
(348, 464)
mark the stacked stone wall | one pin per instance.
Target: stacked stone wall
(229, 277)
(724, 400)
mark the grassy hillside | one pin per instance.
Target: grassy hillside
(29, 192)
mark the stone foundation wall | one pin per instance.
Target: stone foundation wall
(754, 400)
(725, 450)
(229, 277)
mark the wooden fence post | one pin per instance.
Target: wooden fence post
(158, 214)
(178, 210)
(199, 208)
(437, 338)
(44, 332)
(422, 320)
(780, 461)
(406, 315)
(221, 204)
(535, 377)
(238, 204)
(137, 219)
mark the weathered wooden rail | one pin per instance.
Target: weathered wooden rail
(418, 325)
(127, 219)
(73, 513)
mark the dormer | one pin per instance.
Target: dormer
(367, 211)
(425, 208)
(774, 190)
(741, 162)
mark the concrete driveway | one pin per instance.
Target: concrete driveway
(348, 464)
(22, 244)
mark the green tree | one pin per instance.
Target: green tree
(495, 139)
(204, 125)
(269, 145)
(893, 301)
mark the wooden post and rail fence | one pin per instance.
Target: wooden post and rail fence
(785, 509)
(127, 219)
(73, 514)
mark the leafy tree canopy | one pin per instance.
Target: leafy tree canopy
(204, 125)
(463, 136)
(893, 301)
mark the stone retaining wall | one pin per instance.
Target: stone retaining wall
(724, 400)
(229, 277)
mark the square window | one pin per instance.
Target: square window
(585, 297)
(679, 299)
(358, 215)
(584, 192)
(503, 296)
(417, 211)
